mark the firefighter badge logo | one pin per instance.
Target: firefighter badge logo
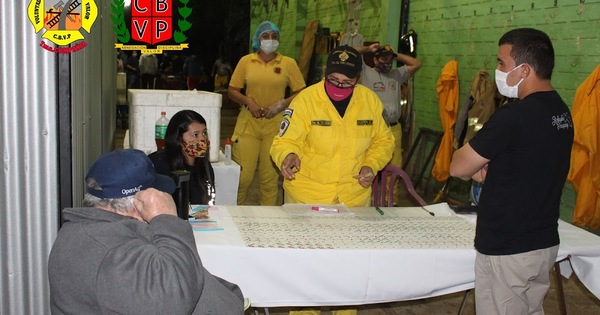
(62, 21)
(152, 23)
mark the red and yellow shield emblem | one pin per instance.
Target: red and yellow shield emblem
(62, 19)
(151, 20)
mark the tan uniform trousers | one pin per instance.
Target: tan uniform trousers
(513, 284)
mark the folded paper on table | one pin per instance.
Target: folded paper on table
(200, 220)
(204, 225)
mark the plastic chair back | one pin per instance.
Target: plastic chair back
(383, 189)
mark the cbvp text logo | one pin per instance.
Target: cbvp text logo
(152, 22)
(63, 21)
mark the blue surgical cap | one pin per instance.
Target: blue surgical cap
(263, 27)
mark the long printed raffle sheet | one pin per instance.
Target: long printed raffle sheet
(410, 228)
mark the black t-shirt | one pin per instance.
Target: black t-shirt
(528, 143)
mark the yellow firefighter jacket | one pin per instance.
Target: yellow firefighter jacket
(332, 149)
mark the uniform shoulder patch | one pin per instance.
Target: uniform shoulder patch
(283, 126)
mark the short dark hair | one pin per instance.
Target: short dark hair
(532, 47)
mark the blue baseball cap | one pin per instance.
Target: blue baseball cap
(123, 173)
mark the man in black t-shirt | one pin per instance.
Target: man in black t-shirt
(523, 154)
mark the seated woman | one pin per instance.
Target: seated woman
(186, 148)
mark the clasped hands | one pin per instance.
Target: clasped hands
(291, 165)
(269, 112)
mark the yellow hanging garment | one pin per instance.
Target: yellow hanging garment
(447, 93)
(585, 160)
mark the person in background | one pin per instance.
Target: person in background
(264, 74)
(120, 63)
(194, 71)
(127, 252)
(221, 71)
(522, 153)
(387, 84)
(333, 140)
(132, 68)
(187, 148)
(148, 70)
(176, 64)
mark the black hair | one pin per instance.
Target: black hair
(178, 125)
(532, 47)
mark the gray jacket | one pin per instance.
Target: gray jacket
(106, 263)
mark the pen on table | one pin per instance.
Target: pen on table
(379, 210)
(431, 213)
(324, 209)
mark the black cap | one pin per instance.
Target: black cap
(383, 51)
(345, 60)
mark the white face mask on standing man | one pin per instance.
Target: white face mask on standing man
(503, 88)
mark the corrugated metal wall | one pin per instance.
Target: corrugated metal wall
(93, 106)
(30, 182)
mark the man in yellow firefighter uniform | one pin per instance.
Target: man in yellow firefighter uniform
(333, 138)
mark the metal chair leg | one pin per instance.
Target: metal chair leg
(266, 311)
(561, 292)
(464, 302)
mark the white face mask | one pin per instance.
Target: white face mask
(503, 88)
(269, 46)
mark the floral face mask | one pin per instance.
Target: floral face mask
(195, 149)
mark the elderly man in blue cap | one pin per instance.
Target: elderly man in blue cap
(127, 252)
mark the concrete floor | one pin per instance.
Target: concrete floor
(578, 299)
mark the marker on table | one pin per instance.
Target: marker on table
(430, 213)
(315, 208)
(379, 210)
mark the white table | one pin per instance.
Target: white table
(276, 258)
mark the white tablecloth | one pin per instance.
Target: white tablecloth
(281, 264)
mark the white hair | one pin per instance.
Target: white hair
(122, 205)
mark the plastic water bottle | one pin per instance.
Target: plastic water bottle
(160, 129)
(228, 151)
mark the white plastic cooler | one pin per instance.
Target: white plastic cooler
(145, 107)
